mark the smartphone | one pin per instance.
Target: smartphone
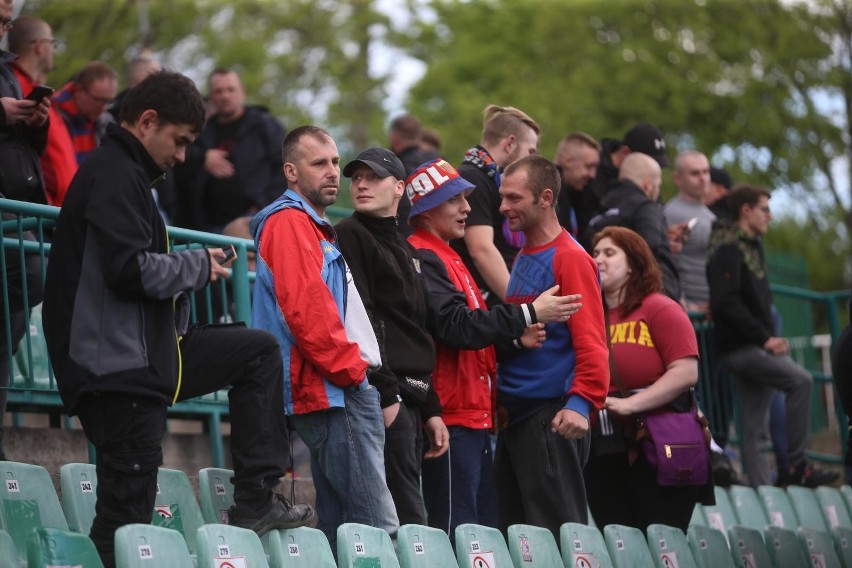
(39, 92)
(230, 254)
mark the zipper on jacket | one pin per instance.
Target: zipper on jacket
(177, 337)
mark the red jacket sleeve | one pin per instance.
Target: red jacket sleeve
(576, 273)
(290, 247)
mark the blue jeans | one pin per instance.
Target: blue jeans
(458, 487)
(347, 463)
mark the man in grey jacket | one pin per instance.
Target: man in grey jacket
(121, 354)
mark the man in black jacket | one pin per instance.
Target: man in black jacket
(387, 274)
(741, 303)
(116, 326)
(23, 135)
(238, 155)
(632, 202)
(644, 138)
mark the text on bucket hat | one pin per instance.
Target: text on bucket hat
(647, 139)
(432, 184)
(383, 162)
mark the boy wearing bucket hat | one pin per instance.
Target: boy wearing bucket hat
(458, 486)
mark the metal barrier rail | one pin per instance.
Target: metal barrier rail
(34, 387)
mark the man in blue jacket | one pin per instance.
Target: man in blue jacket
(116, 326)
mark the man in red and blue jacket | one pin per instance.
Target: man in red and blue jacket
(545, 395)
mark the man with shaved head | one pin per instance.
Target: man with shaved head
(692, 178)
(577, 158)
(632, 203)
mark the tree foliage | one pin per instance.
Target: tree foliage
(307, 60)
(764, 88)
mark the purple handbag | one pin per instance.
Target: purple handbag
(676, 447)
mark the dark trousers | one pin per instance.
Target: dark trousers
(458, 487)
(540, 474)
(20, 276)
(127, 431)
(17, 327)
(403, 452)
(629, 494)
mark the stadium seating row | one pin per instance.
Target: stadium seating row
(824, 508)
(767, 527)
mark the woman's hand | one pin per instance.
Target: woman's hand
(619, 406)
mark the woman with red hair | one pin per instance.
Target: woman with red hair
(654, 360)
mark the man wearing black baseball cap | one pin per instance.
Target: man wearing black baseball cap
(648, 139)
(386, 270)
(643, 137)
(717, 197)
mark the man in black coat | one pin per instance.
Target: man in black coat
(116, 322)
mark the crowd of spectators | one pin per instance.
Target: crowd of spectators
(449, 354)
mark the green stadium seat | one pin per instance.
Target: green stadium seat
(747, 507)
(747, 548)
(778, 508)
(533, 547)
(302, 547)
(591, 522)
(217, 541)
(834, 507)
(216, 492)
(8, 550)
(843, 545)
(627, 547)
(481, 544)
(27, 500)
(846, 491)
(784, 547)
(583, 542)
(819, 546)
(79, 484)
(146, 546)
(175, 506)
(807, 508)
(419, 546)
(668, 547)
(362, 546)
(709, 547)
(720, 516)
(57, 547)
(698, 518)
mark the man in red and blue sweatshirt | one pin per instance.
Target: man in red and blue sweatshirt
(545, 395)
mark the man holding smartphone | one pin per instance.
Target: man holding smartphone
(687, 212)
(32, 41)
(116, 324)
(23, 128)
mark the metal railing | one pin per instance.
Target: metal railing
(33, 386)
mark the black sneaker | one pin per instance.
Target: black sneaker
(724, 474)
(807, 475)
(280, 515)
